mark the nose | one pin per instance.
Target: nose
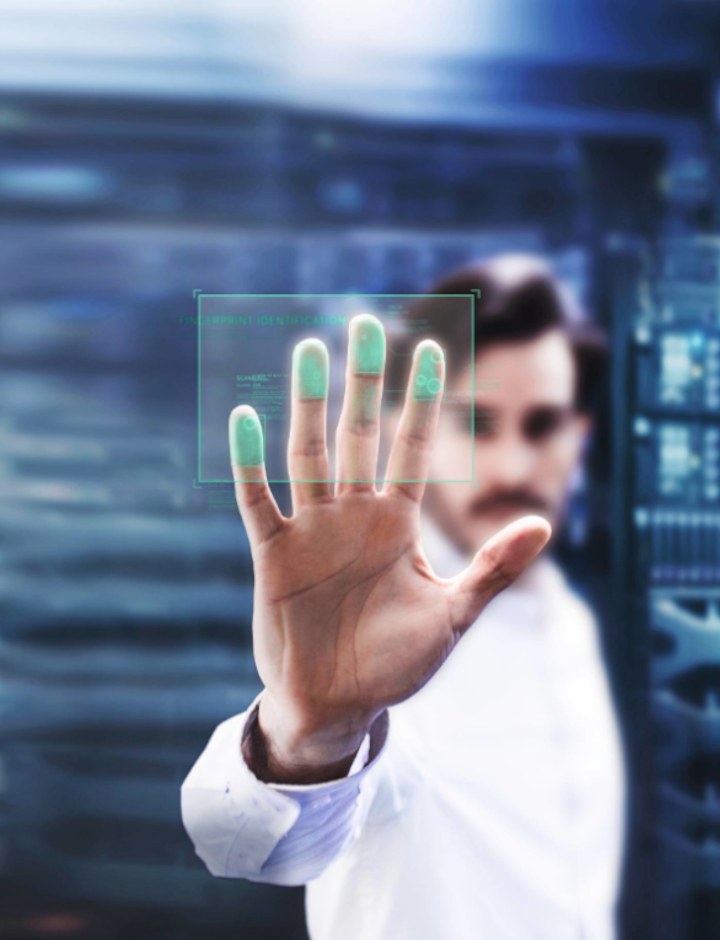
(507, 463)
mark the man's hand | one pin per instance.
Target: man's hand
(349, 617)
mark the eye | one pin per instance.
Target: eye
(543, 422)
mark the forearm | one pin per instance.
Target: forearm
(282, 834)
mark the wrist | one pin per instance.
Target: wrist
(280, 749)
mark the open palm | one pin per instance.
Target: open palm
(349, 616)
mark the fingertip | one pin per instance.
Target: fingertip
(367, 345)
(529, 522)
(432, 344)
(428, 372)
(529, 534)
(309, 345)
(246, 437)
(359, 319)
(310, 369)
(518, 542)
(535, 524)
(241, 411)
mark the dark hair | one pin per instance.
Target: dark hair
(520, 299)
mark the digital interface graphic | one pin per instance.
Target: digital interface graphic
(246, 344)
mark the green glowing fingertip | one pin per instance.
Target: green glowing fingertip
(246, 440)
(367, 345)
(427, 384)
(310, 369)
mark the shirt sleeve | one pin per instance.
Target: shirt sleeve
(284, 834)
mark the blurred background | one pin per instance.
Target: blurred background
(150, 150)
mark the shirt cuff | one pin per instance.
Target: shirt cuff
(367, 754)
(233, 819)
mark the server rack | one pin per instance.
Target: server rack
(667, 420)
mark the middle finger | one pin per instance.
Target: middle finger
(358, 435)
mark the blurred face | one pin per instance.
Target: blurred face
(528, 439)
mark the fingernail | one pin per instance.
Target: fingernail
(246, 439)
(310, 369)
(367, 345)
(428, 376)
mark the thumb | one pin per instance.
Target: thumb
(501, 559)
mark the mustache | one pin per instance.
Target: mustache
(509, 499)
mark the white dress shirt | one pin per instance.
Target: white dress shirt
(490, 806)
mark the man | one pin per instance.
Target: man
(423, 795)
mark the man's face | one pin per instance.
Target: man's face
(527, 441)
